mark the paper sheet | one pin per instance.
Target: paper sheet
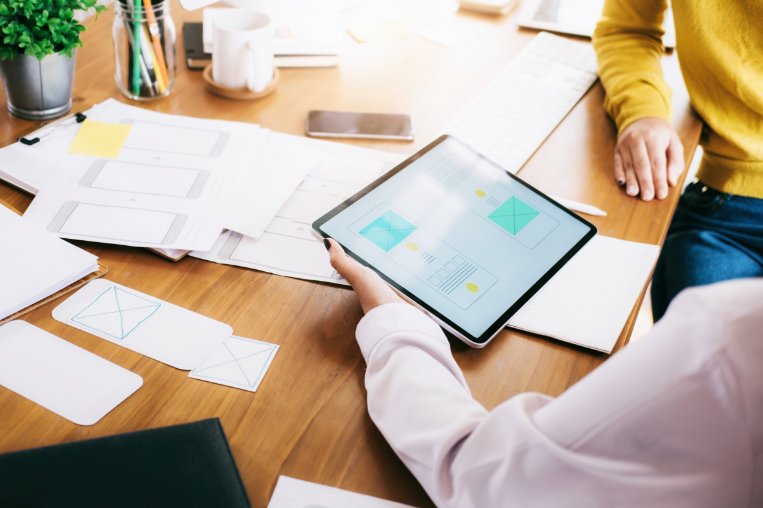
(367, 32)
(292, 493)
(286, 160)
(589, 300)
(35, 264)
(59, 376)
(176, 184)
(142, 323)
(448, 35)
(238, 362)
(287, 247)
(100, 139)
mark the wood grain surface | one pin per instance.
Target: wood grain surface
(308, 419)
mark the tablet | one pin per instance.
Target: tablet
(458, 236)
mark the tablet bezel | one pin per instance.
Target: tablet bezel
(499, 323)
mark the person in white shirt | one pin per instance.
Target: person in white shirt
(673, 420)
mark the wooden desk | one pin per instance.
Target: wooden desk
(308, 419)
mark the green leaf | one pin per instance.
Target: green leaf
(42, 27)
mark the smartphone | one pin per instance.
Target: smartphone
(339, 124)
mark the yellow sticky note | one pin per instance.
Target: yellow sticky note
(99, 139)
(370, 32)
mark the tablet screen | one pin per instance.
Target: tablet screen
(459, 234)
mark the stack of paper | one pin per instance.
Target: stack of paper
(286, 246)
(134, 177)
(35, 264)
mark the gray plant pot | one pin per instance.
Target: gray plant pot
(38, 90)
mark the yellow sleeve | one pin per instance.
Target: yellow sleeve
(628, 43)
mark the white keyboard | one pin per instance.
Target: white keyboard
(510, 118)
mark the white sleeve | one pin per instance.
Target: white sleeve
(419, 400)
(673, 420)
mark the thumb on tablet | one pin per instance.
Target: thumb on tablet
(342, 263)
(372, 291)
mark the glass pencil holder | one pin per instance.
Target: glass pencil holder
(144, 47)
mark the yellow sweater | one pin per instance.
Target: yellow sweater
(720, 49)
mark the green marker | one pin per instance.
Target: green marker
(136, 48)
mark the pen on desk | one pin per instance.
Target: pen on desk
(578, 207)
(136, 62)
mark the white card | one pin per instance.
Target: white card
(149, 326)
(238, 362)
(59, 376)
(291, 493)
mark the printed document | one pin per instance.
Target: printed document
(176, 182)
(286, 246)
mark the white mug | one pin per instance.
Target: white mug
(242, 55)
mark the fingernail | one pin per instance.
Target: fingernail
(620, 181)
(327, 244)
(661, 194)
(632, 190)
(646, 195)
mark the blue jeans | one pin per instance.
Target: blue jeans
(713, 237)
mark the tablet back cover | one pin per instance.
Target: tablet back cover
(184, 466)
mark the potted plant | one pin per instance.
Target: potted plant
(38, 41)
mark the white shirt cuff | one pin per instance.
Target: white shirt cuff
(391, 318)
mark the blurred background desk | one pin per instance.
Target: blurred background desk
(309, 419)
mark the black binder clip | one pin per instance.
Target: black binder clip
(78, 117)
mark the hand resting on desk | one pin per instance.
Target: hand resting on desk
(648, 157)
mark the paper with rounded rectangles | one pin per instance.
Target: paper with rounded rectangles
(238, 362)
(61, 377)
(144, 324)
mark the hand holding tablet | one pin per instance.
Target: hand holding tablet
(458, 236)
(372, 291)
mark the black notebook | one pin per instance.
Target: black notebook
(181, 466)
(193, 38)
